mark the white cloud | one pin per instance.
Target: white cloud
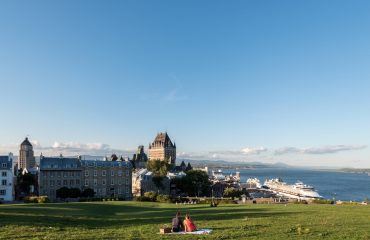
(319, 150)
(287, 150)
(333, 149)
(224, 155)
(256, 150)
(68, 149)
(81, 147)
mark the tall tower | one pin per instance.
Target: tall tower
(26, 158)
(163, 149)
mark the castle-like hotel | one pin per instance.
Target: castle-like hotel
(163, 149)
(111, 177)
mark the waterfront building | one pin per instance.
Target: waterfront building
(6, 178)
(106, 178)
(139, 159)
(26, 159)
(163, 149)
(204, 169)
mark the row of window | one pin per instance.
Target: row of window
(94, 164)
(65, 166)
(60, 174)
(87, 173)
(104, 173)
(76, 182)
(64, 182)
(103, 182)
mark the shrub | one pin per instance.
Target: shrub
(151, 195)
(62, 192)
(322, 201)
(88, 192)
(227, 201)
(35, 199)
(142, 199)
(30, 200)
(74, 193)
(43, 199)
(164, 199)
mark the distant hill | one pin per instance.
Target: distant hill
(228, 164)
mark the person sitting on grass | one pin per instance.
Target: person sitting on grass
(177, 225)
(189, 225)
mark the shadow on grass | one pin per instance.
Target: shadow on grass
(102, 215)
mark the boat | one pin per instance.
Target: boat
(299, 190)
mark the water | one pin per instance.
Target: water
(329, 184)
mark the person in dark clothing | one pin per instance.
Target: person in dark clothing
(177, 224)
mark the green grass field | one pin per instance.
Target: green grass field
(142, 220)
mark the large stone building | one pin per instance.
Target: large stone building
(106, 178)
(26, 159)
(163, 149)
(6, 178)
(59, 172)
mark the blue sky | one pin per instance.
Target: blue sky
(271, 81)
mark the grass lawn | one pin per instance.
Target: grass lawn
(141, 220)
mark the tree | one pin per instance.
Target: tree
(74, 193)
(88, 192)
(158, 167)
(25, 181)
(62, 192)
(151, 196)
(232, 192)
(195, 183)
(157, 180)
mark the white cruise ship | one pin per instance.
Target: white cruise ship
(298, 190)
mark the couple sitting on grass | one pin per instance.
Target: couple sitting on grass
(178, 225)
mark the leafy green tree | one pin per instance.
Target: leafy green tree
(195, 183)
(62, 192)
(151, 196)
(74, 193)
(24, 182)
(88, 192)
(158, 167)
(232, 192)
(157, 180)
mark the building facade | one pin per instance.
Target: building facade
(26, 157)
(106, 178)
(59, 172)
(163, 149)
(6, 178)
(142, 182)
